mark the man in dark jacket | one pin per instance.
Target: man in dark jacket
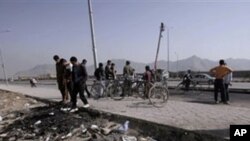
(100, 76)
(84, 62)
(108, 71)
(59, 76)
(79, 78)
(99, 72)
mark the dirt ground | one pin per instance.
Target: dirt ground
(23, 118)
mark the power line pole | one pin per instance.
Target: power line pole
(92, 33)
(177, 64)
(3, 66)
(168, 46)
(158, 46)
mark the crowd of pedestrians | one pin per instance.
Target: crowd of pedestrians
(71, 80)
(72, 77)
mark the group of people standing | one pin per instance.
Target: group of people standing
(71, 79)
(107, 73)
(223, 78)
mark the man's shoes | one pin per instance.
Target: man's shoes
(86, 106)
(217, 102)
(73, 110)
(226, 103)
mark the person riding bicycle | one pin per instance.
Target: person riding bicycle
(187, 79)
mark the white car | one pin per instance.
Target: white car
(203, 78)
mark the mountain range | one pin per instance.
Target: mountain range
(193, 63)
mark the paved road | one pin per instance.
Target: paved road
(235, 85)
(187, 111)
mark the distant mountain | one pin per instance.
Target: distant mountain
(194, 63)
(38, 71)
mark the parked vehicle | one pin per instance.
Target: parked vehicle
(203, 78)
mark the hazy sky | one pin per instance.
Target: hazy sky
(126, 29)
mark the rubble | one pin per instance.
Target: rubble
(128, 138)
(51, 123)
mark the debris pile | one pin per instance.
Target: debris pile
(50, 123)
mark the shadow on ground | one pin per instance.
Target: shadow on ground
(216, 132)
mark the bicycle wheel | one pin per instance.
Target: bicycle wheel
(97, 90)
(196, 88)
(115, 91)
(138, 90)
(179, 88)
(158, 96)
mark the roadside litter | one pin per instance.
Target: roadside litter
(55, 123)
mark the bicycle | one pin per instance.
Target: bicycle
(158, 94)
(100, 89)
(129, 87)
(194, 87)
(106, 88)
(114, 89)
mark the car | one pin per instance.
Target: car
(203, 78)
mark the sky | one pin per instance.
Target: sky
(32, 31)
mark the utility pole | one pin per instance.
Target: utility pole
(177, 64)
(162, 28)
(2, 61)
(168, 46)
(3, 66)
(92, 33)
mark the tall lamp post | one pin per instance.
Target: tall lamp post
(177, 64)
(2, 61)
(3, 66)
(92, 33)
(168, 46)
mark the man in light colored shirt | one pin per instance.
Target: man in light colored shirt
(227, 81)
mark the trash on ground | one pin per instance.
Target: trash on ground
(52, 122)
(67, 136)
(124, 127)
(38, 122)
(52, 114)
(129, 138)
